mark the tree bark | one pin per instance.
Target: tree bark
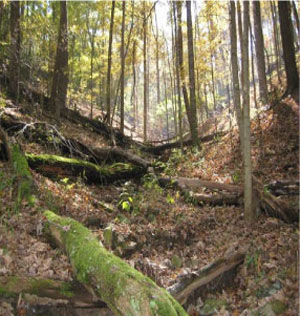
(286, 29)
(259, 48)
(14, 64)
(145, 72)
(235, 73)
(125, 290)
(193, 108)
(60, 77)
(122, 68)
(249, 211)
(109, 60)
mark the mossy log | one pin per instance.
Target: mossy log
(57, 166)
(212, 278)
(68, 293)
(125, 290)
(24, 180)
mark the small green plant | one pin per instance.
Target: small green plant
(236, 176)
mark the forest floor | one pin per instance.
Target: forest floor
(168, 236)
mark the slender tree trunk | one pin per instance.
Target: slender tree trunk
(122, 67)
(157, 61)
(133, 101)
(166, 105)
(276, 40)
(296, 18)
(60, 77)
(249, 214)
(109, 60)
(252, 68)
(235, 74)
(178, 75)
(286, 29)
(181, 65)
(240, 28)
(193, 108)
(259, 48)
(15, 43)
(145, 72)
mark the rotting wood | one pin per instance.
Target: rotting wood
(64, 293)
(57, 166)
(273, 206)
(284, 187)
(217, 199)
(211, 278)
(125, 290)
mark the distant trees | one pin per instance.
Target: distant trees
(286, 30)
(15, 43)
(60, 75)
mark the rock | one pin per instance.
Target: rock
(211, 306)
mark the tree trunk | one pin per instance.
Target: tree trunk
(60, 77)
(125, 290)
(177, 67)
(122, 68)
(157, 60)
(286, 29)
(181, 64)
(193, 107)
(145, 73)
(14, 64)
(109, 60)
(259, 48)
(249, 212)
(235, 74)
(134, 101)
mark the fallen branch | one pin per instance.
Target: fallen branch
(273, 206)
(284, 187)
(125, 290)
(213, 277)
(194, 183)
(57, 166)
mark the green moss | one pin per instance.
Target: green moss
(23, 176)
(113, 276)
(278, 307)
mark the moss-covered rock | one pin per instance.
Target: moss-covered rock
(125, 290)
(57, 166)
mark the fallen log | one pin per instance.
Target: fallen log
(211, 278)
(194, 183)
(157, 150)
(125, 290)
(216, 199)
(68, 293)
(57, 166)
(283, 187)
(46, 134)
(273, 206)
